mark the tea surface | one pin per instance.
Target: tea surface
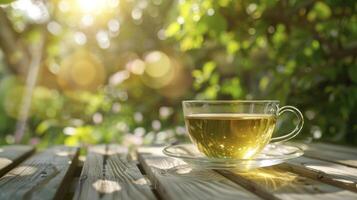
(229, 135)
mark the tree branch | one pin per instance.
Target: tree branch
(16, 55)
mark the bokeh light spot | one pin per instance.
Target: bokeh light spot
(80, 38)
(113, 25)
(136, 66)
(81, 71)
(158, 64)
(103, 39)
(77, 72)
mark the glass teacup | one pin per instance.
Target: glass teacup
(235, 129)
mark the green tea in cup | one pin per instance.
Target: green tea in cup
(234, 129)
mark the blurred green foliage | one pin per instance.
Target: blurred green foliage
(5, 1)
(302, 53)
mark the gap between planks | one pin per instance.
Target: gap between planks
(153, 189)
(75, 179)
(109, 174)
(43, 176)
(277, 183)
(321, 175)
(175, 181)
(328, 172)
(10, 156)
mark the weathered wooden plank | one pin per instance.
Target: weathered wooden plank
(331, 173)
(332, 156)
(287, 185)
(107, 174)
(333, 147)
(334, 153)
(42, 176)
(174, 181)
(12, 155)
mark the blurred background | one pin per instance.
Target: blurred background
(81, 72)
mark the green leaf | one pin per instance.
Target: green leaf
(211, 92)
(224, 3)
(263, 83)
(205, 75)
(216, 23)
(352, 72)
(34, 36)
(315, 44)
(173, 29)
(44, 126)
(323, 11)
(232, 47)
(208, 68)
(308, 52)
(190, 42)
(232, 87)
(280, 35)
(320, 11)
(214, 78)
(290, 67)
(6, 1)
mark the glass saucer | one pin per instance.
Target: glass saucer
(272, 154)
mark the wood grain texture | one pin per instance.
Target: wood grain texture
(173, 180)
(339, 148)
(107, 174)
(42, 176)
(286, 185)
(332, 153)
(328, 172)
(12, 155)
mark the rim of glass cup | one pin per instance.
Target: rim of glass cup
(231, 101)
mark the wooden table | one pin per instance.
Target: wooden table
(111, 172)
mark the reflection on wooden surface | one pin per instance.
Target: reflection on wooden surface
(276, 182)
(270, 178)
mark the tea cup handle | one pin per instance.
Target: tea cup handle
(298, 127)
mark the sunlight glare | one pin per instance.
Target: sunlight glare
(113, 3)
(99, 149)
(87, 20)
(250, 153)
(140, 181)
(5, 161)
(271, 178)
(92, 5)
(106, 186)
(185, 170)
(63, 6)
(33, 10)
(22, 171)
(64, 153)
